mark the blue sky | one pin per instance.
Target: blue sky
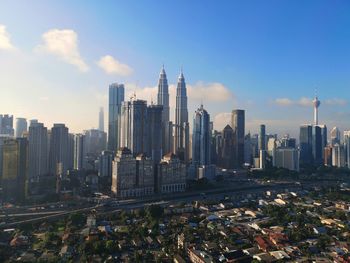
(267, 57)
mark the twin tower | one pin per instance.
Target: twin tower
(175, 135)
(130, 122)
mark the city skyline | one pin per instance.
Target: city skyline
(274, 81)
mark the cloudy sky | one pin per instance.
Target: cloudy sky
(57, 58)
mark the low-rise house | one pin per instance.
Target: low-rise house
(198, 256)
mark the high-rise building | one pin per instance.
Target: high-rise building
(21, 127)
(38, 161)
(80, 152)
(305, 141)
(132, 177)
(347, 148)
(317, 145)
(95, 141)
(248, 149)
(59, 150)
(14, 173)
(271, 149)
(6, 124)
(181, 140)
(116, 96)
(338, 155)
(335, 136)
(163, 99)
(262, 137)
(287, 158)
(327, 156)
(134, 126)
(101, 120)
(105, 164)
(238, 126)
(154, 141)
(227, 153)
(171, 175)
(201, 137)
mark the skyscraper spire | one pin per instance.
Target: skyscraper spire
(163, 99)
(181, 142)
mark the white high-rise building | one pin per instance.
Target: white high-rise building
(338, 155)
(101, 120)
(21, 127)
(335, 136)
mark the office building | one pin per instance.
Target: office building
(317, 145)
(95, 141)
(201, 137)
(262, 138)
(38, 161)
(171, 176)
(335, 136)
(327, 156)
(238, 126)
(134, 126)
(105, 164)
(80, 152)
(154, 141)
(305, 141)
(163, 99)
(287, 158)
(338, 155)
(14, 169)
(6, 124)
(59, 150)
(21, 127)
(181, 138)
(116, 96)
(227, 149)
(101, 120)
(347, 148)
(132, 177)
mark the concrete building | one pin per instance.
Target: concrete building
(6, 124)
(287, 158)
(21, 127)
(338, 155)
(171, 176)
(227, 157)
(347, 147)
(305, 141)
(14, 169)
(59, 150)
(38, 155)
(116, 96)
(132, 177)
(154, 142)
(101, 120)
(238, 126)
(134, 127)
(335, 136)
(105, 164)
(80, 152)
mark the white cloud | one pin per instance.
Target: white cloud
(112, 66)
(5, 39)
(335, 101)
(209, 92)
(283, 102)
(64, 45)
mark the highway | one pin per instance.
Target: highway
(165, 200)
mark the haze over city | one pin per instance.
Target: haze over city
(269, 61)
